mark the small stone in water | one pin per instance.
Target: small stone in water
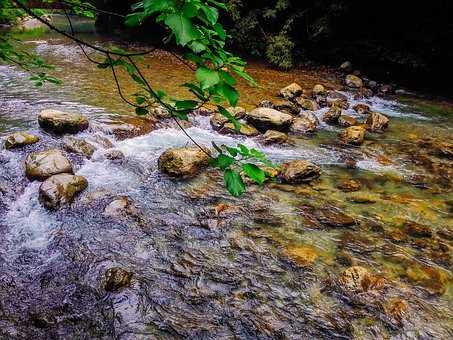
(41, 165)
(349, 185)
(19, 139)
(117, 278)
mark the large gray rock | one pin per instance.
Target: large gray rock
(305, 123)
(269, 119)
(299, 171)
(61, 189)
(62, 122)
(41, 165)
(183, 162)
(20, 139)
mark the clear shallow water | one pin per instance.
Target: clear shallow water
(198, 274)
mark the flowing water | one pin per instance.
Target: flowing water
(204, 264)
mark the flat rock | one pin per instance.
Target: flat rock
(269, 119)
(62, 122)
(353, 81)
(354, 135)
(61, 189)
(305, 123)
(377, 122)
(274, 137)
(334, 218)
(246, 129)
(346, 121)
(291, 91)
(307, 104)
(41, 165)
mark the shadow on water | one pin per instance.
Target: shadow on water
(204, 264)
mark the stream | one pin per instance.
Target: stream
(207, 265)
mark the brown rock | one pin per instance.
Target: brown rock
(183, 162)
(61, 189)
(363, 93)
(299, 171)
(117, 278)
(353, 135)
(307, 104)
(417, 230)
(332, 116)
(362, 109)
(349, 185)
(305, 256)
(377, 122)
(285, 106)
(346, 121)
(123, 127)
(291, 91)
(246, 130)
(120, 208)
(353, 81)
(334, 218)
(307, 122)
(433, 279)
(274, 137)
(319, 90)
(396, 310)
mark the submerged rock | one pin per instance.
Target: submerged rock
(362, 109)
(346, 121)
(123, 127)
(334, 218)
(307, 122)
(305, 256)
(349, 185)
(61, 189)
(291, 91)
(19, 139)
(274, 137)
(269, 119)
(353, 135)
(307, 104)
(396, 310)
(435, 280)
(353, 81)
(346, 66)
(183, 162)
(117, 278)
(78, 146)
(357, 279)
(300, 171)
(121, 207)
(41, 165)
(417, 230)
(363, 93)
(114, 155)
(377, 122)
(332, 115)
(62, 122)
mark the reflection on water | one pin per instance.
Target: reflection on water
(262, 266)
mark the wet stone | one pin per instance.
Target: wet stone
(363, 93)
(114, 155)
(362, 109)
(245, 130)
(307, 104)
(285, 106)
(305, 123)
(432, 278)
(319, 90)
(334, 218)
(274, 137)
(358, 279)
(417, 230)
(353, 81)
(120, 208)
(291, 91)
(349, 185)
(20, 139)
(62, 122)
(377, 122)
(346, 121)
(305, 256)
(332, 115)
(269, 119)
(41, 165)
(396, 310)
(300, 171)
(354, 135)
(78, 146)
(61, 189)
(117, 278)
(183, 162)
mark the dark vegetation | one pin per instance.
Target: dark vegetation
(407, 43)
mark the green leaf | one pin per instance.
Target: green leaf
(211, 13)
(228, 92)
(243, 150)
(207, 77)
(186, 104)
(135, 19)
(141, 111)
(140, 100)
(233, 182)
(153, 6)
(233, 151)
(224, 112)
(223, 161)
(189, 10)
(183, 28)
(229, 79)
(218, 149)
(254, 173)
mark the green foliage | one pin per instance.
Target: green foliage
(279, 51)
(238, 162)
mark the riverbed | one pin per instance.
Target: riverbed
(205, 264)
